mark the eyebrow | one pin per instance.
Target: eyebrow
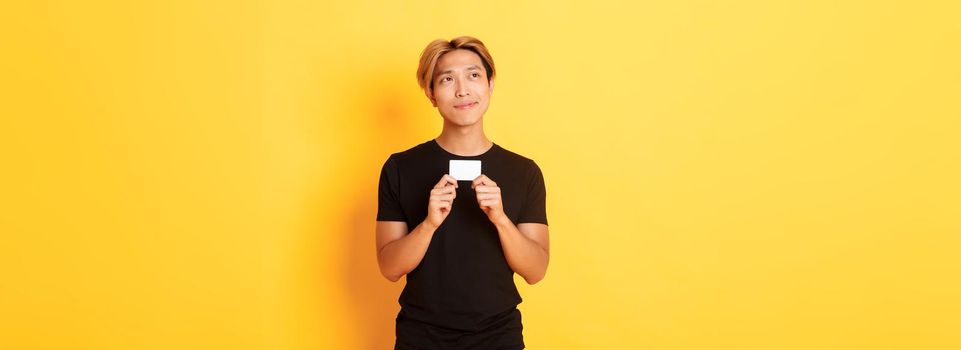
(473, 67)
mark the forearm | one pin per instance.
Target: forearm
(402, 256)
(524, 255)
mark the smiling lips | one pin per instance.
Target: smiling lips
(466, 105)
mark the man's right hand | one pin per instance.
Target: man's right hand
(441, 200)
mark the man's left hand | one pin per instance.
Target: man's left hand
(489, 198)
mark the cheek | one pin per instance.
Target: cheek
(441, 96)
(480, 86)
(484, 90)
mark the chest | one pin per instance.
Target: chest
(415, 189)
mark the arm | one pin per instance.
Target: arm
(399, 252)
(526, 246)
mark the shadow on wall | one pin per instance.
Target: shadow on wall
(385, 120)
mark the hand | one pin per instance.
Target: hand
(441, 199)
(489, 197)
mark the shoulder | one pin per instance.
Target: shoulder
(509, 155)
(405, 156)
(519, 161)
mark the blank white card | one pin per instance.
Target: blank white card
(465, 170)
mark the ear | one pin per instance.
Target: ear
(430, 96)
(491, 86)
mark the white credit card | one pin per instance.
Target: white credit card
(465, 170)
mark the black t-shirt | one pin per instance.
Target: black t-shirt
(463, 281)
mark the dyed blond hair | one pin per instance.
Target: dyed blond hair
(437, 48)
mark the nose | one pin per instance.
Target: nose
(461, 91)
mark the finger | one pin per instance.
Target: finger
(487, 203)
(451, 179)
(445, 181)
(479, 180)
(485, 196)
(487, 189)
(436, 201)
(483, 180)
(443, 198)
(443, 190)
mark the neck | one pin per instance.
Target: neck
(464, 140)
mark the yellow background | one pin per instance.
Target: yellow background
(720, 175)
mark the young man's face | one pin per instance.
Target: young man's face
(461, 91)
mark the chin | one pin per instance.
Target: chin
(463, 120)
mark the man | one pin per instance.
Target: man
(460, 243)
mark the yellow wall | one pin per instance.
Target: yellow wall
(720, 175)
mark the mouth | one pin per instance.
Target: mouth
(466, 105)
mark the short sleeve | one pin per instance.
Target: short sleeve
(535, 206)
(388, 194)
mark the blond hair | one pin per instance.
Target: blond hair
(439, 47)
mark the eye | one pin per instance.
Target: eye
(445, 79)
(475, 75)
